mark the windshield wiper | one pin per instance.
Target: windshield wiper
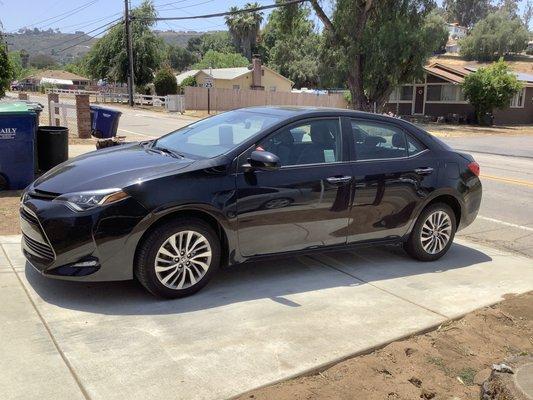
(164, 150)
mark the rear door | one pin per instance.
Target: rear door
(393, 173)
(305, 203)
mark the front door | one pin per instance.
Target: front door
(419, 100)
(305, 203)
(393, 173)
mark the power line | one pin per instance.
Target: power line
(223, 14)
(90, 22)
(81, 36)
(90, 37)
(65, 14)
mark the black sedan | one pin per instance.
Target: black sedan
(243, 185)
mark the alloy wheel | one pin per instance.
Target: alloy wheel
(436, 232)
(183, 260)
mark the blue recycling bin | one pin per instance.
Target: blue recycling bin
(18, 124)
(104, 122)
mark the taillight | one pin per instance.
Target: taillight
(474, 167)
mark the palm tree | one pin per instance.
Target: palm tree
(244, 28)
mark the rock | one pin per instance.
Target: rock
(427, 394)
(409, 351)
(502, 368)
(415, 381)
(482, 376)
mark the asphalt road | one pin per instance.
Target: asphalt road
(506, 216)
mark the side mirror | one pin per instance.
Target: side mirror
(263, 161)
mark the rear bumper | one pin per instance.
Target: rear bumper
(472, 202)
(96, 245)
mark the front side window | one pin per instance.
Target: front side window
(217, 135)
(376, 141)
(312, 142)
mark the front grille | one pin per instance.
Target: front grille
(41, 250)
(28, 216)
(42, 195)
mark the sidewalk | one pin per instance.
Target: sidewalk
(255, 324)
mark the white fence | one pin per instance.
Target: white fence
(170, 103)
(63, 114)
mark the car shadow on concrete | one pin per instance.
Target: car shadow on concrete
(271, 279)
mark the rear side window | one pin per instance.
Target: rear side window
(379, 141)
(414, 146)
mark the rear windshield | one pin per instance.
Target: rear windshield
(217, 135)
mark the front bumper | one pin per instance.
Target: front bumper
(94, 245)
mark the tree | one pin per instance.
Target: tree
(493, 37)
(490, 87)
(375, 46)
(108, 57)
(165, 82)
(179, 58)
(215, 59)
(290, 45)
(217, 41)
(244, 28)
(16, 64)
(510, 7)
(467, 12)
(6, 70)
(77, 67)
(42, 61)
(528, 13)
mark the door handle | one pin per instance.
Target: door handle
(338, 180)
(424, 171)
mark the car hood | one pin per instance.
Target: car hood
(115, 167)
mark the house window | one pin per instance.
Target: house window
(236, 87)
(402, 93)
(517, 101)
(444, 93)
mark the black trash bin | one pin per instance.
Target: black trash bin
(52, 146)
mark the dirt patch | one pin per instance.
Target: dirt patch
(9, 212)
(445, 130)
(450, 362)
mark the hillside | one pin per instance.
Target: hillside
(51, 42)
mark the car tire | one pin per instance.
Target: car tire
(163, 264)
(432, 234)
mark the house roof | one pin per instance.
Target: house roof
(457, 73)
(56, 74)
(223, 73)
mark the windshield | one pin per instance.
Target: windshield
(216, 135)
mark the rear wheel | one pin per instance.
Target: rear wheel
(432, 234)
(178, 258)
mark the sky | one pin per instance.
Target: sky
(16, 14)
(87, 15)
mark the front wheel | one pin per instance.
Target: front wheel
(432, 234)
(178, 258)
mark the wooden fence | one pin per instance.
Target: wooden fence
(229, 99)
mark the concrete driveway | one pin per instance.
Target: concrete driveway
(253, 325)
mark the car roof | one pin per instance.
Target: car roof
(308, 111)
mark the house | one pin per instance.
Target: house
(258, 77)
(439, 94)
(62, 79)
(455, 33)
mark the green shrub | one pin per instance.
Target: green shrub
(165, 82)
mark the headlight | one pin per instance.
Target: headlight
(83, 201)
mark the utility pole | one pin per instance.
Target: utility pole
(129, 50)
